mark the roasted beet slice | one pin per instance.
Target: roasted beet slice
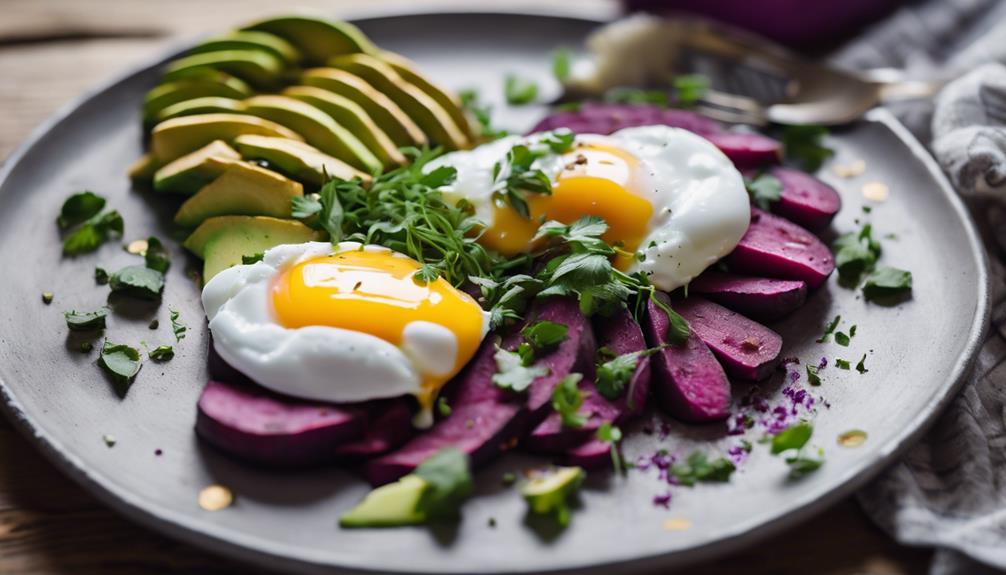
(389, 425)
(805, 199)
(776, 247)
(747, 349)
(762, 299)
(690, 384)
(592, 454)
(260, 426)
(605, 118)
(552, 437)
(747, 150)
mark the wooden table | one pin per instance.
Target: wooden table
(53, 50)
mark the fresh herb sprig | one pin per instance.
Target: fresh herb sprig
(803, 143)
(699, 468)
(791, 442)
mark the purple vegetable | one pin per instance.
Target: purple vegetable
(762, 299)
(575, 354)
(747, 150)
(777, 247)
(260, 426)
(605, 118)
(552, 437)
(690, 383)
(593, 454)
(805, 199)
(746, 349)
(389, 426)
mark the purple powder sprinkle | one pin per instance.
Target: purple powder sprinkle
(158, 452)
(737, 454)
(822, 364)
(794, 376)
(643, 463)
(662, 500)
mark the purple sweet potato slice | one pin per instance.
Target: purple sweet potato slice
(805, 200)
(605, 118)
(776, 247)
(388, 427)
(263, 427)
(747, 150)
(747, 349)
(690, 384)
(552, 437)
(592, 454)
(762, 299)
(575, 354)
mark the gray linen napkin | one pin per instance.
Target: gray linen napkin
(949, 491)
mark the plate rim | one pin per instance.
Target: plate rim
(235, 545)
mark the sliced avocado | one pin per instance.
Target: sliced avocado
(223, 241)
(242, 190)
(298, 160)
(249, 40)
(258, 68)
(193, 171)
(390, 505)
(197, 85)
(174, 138)
(387, 114)
(424, 110)
(318, 39)
(548, 492)
(142, 169)
(317, 128)
(449, 102)
(206, 105)
(351, 116)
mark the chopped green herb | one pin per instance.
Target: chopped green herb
(614, 374)
(425, 274)
(800, 466)
(612, 435)
(449, 483)
(79, 208)
(492, 522)
(157, 256)
(162, 353)
(887, 282)
(841, 339)
(855, 254)
(793, 437)
(636, 96)
(512, 374)
(177, 327)
(137, 281)
(803, 143)
(698, 468)
(93, 232)
(561, 65)
(121, 362)
(746, 446)
(567, 399)
(867, 209)
(86, 321)
(442, 408)
(514, 178)
(568, 106)
(842, 364)
(100, 276)
(813, 377)
(47, 297)
(519, 91)
(303, 207)
(764, 189)
(829, 329)
(861, 366)
(852, 331)
(544, 335)
(482, 114)
(109, 440)
(254, 258)
(690, 89)
(154, 324)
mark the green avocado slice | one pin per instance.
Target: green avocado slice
(224, 241)
(549, 492)
(390, 505)
(204, 105)
(251, 40)
(142, 169)
(258, 68)
(210, 83)
(297, 160)
(242, 189)
(188, 174)
(385, 113)
(352, 117)
(318, 39)
(449, 102)
(176, 137)
(317, 128)
(424, 110)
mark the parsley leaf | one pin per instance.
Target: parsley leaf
(861, 366)
(449, 483)
(561, 66)
(177, 327)
(855, 254)
(842, 364)
(440, 176)
(813, 376)
(512, 374)
(93, 232)
(330, 216)
(121, 362)
(764, 189)
(612, 435)
(544, 335)
(157, 256)
(614, 374)
(698, 468)
(519, 91)
(829, 329)
(162, 353)
(79, 208)
(254, 258)
(803, 143)
(793, 437)
(567, 400)
(137, 281)
(302, 207)
(800, 466)
(887, 282)
(841, 339)
(86, 321)
(690, 88)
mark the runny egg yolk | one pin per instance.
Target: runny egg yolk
(373, 292)
(597, 180)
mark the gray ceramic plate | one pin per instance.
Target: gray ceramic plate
(917, 355)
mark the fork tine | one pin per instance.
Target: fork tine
(730, 116)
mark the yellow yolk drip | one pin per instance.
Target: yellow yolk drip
(596, 181)
(374, 293)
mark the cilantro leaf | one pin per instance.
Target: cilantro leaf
(698, 468)
(561, 66)
(793, 437)
(79, 208)
(559, 141)
(567, 400)
(93, 232)
(448, 483)
(855, 254)
(86, 321)
(803, 144)
(330, 216)
(137, 281)
(800, 466)
(254, 258)
(519, 91)
(121, 362)
(157, 256)
(544, 335)
(177, 327)
(614, 374)
(162, 353)
(304, 206)
(440, 176)
(512, 374)
(841, 339)
(861, 366)
(842, 364)
(813, 377)
(829, 329)
(764, 189)
(612, 435)
(678, 330)
(887, 282)
(690, 89)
